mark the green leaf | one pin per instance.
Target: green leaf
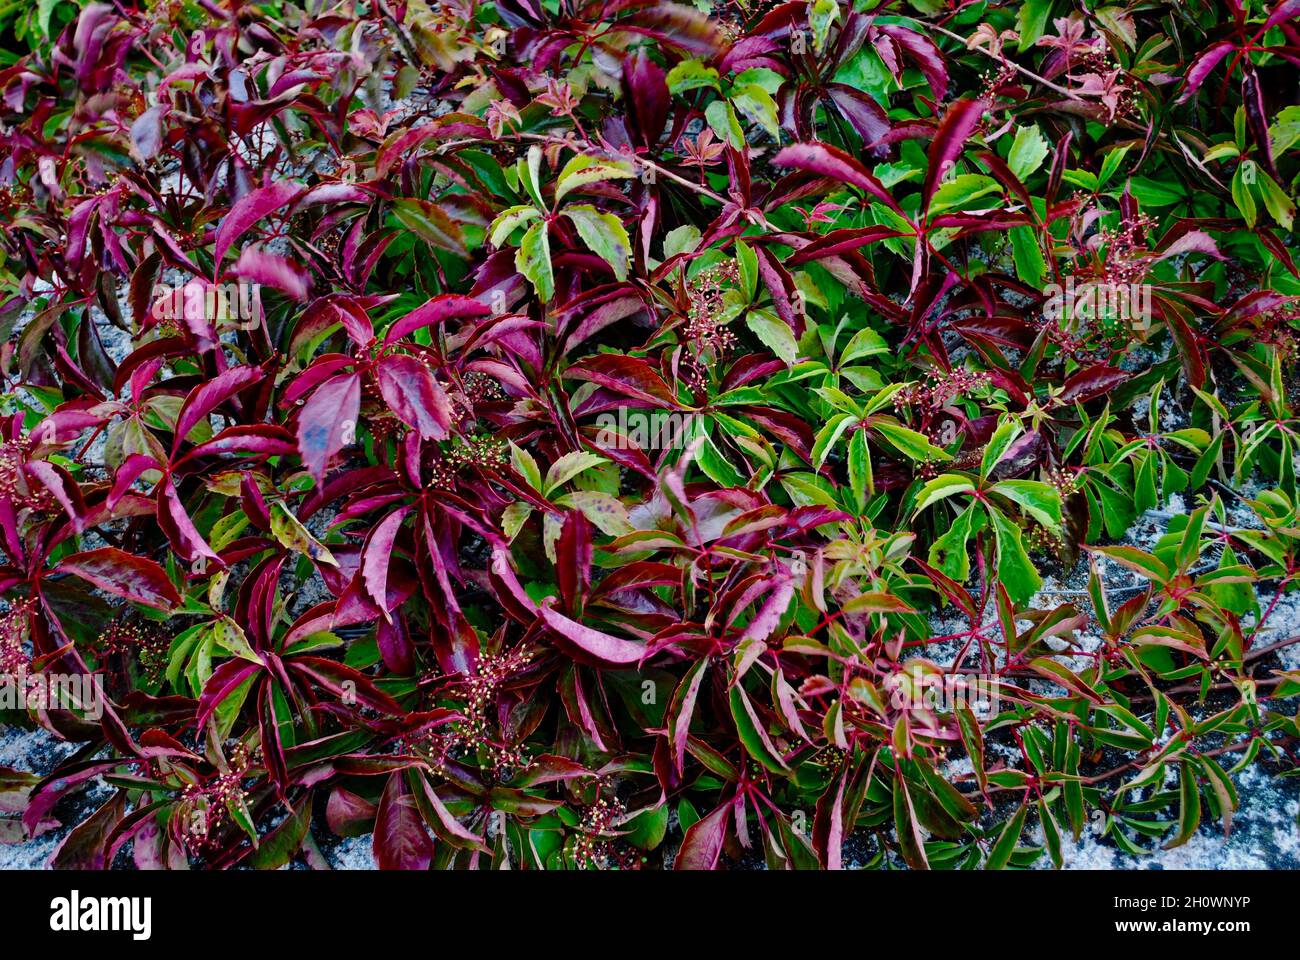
(1014, 570)
(525, 466)
(913, 445)
(948, 553)
(1051, 833)
(940, 488)
(1242, 197)
(1111, 163)
(1189, 805)
(910, 841)
(569, 466)
(1278, 204)
(1156, 193)
(230, 637)
(604, 234)
(1028, 151)
(582, 170)
(821, 14)
(508, 219)
(534, 260)
(691, 75)
(1042, 501)
(865, 343)
(294, 536)
(1005, 845)
(722, 121)
(1005, 434)
(683, 239)
(430, 223)
(1028, 256)
(1031, 21)
(757, 104)
(748, 726)
(1284, 132)
(860, 478)
(280, 845)
(775, 334)
(962, 190)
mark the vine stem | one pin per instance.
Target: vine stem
(1063, 91)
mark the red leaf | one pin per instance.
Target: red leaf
(327, 421)
(451, 306)
(250, 208)
(400, 841)
(591, 645)
(629, 376)
(954, 130)
(123, 574)
(702, 845)
(410, 390)
(827, 161)
(206, 397)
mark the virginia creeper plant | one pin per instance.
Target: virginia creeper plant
(317, 316)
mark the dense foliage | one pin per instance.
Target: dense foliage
(337, 327)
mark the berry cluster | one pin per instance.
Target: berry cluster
(204, 805)
(484, 452)
(1127, 256)
(14, 624)
(939, 392)
(474, 736)
(594, 848)
(706, 332)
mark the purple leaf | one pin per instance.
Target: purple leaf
(400, 841)
(273, 270)
(206, 397)
(450, 306)
(923, 52)
(328, 421)
(410, 390)
(702, 845)
(124, 575)
(866, 116)
(827, 161)
(378, 554)
(588, 644)
(646, 95)
(1201, 67)
(251, 208)
(954, 130)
